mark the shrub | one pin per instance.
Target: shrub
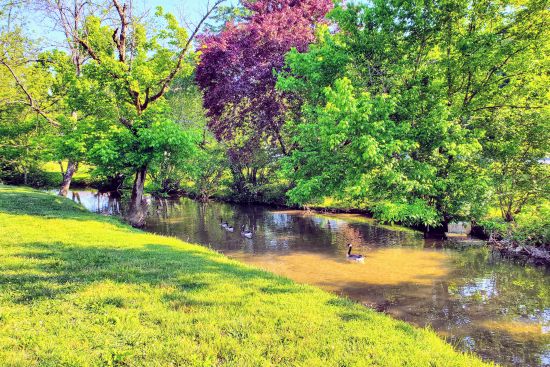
(416, 213)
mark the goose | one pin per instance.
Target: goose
(228, 227)
(353, 257)
(222, 223)
(246, 233)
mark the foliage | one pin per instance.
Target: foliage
(225, 14)
(82, 289)
(143, 133)
(515, 144)
(405, 213)
(207, 170)
(530, 227)
(533, 226)
(108, 105)
(236, 74)
(49, 110)
(125, 64)
(236, 66)
(198, 171)
(24, 135)
(402, 101)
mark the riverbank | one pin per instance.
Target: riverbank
(78, 288)
(522, 251)
(525, 253)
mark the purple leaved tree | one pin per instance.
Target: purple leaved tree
(237, 76)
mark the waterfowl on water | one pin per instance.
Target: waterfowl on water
(353, 257)
(246, 233)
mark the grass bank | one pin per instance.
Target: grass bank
(78, 289)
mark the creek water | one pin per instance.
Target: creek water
(475, 300)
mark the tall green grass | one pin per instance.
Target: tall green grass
(78, 289)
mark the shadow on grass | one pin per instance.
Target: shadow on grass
(48, 271)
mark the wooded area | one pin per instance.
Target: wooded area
(420, 113)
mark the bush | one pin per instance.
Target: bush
(531, 227)
(417, 213)
(35, 178)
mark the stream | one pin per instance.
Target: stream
(472, 298)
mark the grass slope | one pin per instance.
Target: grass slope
(78, 289)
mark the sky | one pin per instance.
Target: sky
(188, 10)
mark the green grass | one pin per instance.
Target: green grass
(78, 289)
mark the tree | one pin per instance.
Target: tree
(236, 74)
(68, 14)
(397, 103)
(16, 127)
(134, 65)
(514, 145)
(31, 102)
(198, 174)
(59, 100)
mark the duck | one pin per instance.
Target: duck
(245, 232)
(353, 257)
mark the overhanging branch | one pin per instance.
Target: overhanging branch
(31, 102)
(166, 82)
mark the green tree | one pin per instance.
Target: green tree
(50, 85)
(400, 102)
(134, 62)
(28, 108)
(202, 171)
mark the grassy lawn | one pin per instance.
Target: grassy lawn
(78, 289)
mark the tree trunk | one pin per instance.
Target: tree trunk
(238, 178)
(138, 207)
(508, 216)
(25, 168)
(67, 178)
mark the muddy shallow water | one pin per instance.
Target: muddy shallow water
(472, 298)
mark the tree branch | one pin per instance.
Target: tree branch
(506, 106)
(88, 49)
(31, 102)
(121, 42)
(166, 82)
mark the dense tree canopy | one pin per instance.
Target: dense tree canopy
(404, 100)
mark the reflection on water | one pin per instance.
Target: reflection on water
(477, 302)
(107, 203)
